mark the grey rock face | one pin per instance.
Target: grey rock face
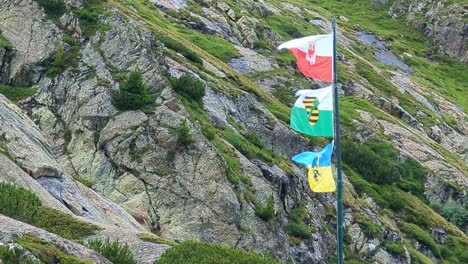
(35, 41)
(20, 138)
(250, 62)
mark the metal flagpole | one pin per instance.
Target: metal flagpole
(339, 187)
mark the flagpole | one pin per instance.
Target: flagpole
(339, 191)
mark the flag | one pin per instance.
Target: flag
(312, 113)
(314, 56)
(319, 168)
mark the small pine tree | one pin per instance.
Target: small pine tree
(184, 136)
(133, 93)
(57, 65)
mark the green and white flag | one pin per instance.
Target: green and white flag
(312, 113)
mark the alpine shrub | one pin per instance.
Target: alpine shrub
(133, 93)
(184, 136)
(296, 226)
(18, 203)
(53, 8)
(266, 212)
(189, 86)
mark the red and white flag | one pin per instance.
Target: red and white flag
(314, 56)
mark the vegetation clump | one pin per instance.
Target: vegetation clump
(184, 137)
(296, 226)
(63, 60)
(189, 86)
(14, 256)
(47, 252)
(454, 212)
(371, 229)
(267, 211)
(89, 15)
(133, 93)
(17, 93)
(24, 205)
(114, 251)
(53, 8)
(192, 252)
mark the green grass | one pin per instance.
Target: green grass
(156, 239)
(114, 251)
(85, 181)
(395, 248)
(416, 256)
(17, 93)
(191, 252)
(371, 229)
(216, 46)
(414, 231)
(47, 252)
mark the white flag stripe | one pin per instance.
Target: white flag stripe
(324, 95)
(323, 44)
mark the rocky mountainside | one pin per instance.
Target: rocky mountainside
(212, 163)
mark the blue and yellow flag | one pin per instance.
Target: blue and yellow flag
(320, 170)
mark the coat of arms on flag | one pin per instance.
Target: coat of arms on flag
(314, 55)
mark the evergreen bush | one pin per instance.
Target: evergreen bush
(114, 251)
(133, 93)
(267, 211)
(53, 8)
(184, 136)
(454, 212)
(189, 87)
(18, 203)
(63, 60)
(192, 252)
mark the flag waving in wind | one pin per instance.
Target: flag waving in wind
(312, 113)
(314, 56)
(319, 168)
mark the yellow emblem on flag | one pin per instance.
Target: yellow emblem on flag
(311, 104)
(321, 179)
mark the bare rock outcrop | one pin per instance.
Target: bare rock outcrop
(34, 40)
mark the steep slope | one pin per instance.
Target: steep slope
(403, 112)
